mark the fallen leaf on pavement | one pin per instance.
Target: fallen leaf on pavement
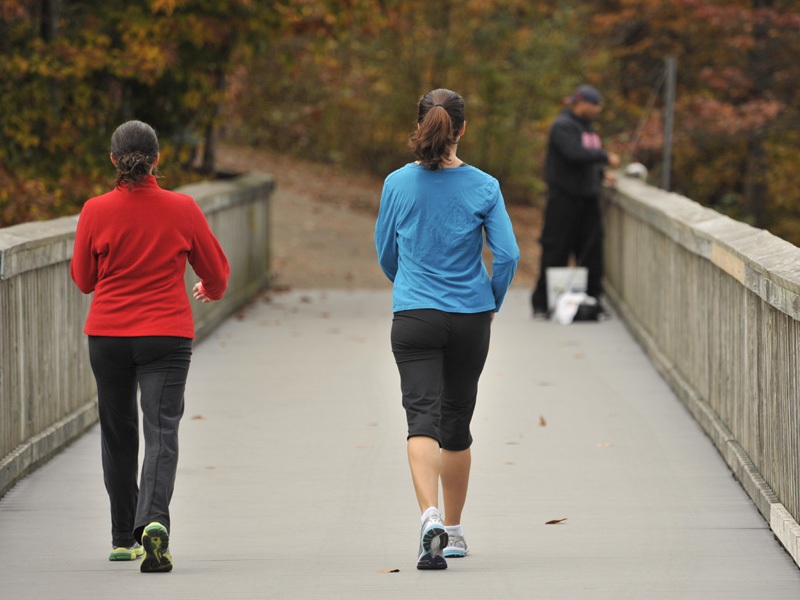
(388, 570)
(556, 522)
(542, 422)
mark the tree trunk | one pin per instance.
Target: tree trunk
(51, 10)
(208, 165)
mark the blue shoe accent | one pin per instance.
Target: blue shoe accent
(456, 546)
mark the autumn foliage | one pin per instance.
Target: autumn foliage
(337, 81)
(73, 71)
(737, 104)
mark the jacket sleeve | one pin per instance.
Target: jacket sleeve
(566, 139)
(207, 257)
(83, 266)
(386, 236)
(503, 243)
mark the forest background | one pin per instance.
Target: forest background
(336, 81)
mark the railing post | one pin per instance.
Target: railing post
(669, 119)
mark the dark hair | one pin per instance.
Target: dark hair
(440, 119)
(134, 146)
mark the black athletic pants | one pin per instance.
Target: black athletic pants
(440, 356)
(572, 227)
(159, 367)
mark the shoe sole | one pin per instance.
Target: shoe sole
(434, 541)
(457, 553)
(427, 562)
(155, 541)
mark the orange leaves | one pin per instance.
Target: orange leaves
(724, 118)
(306, 17)
(60, 60)
(162, 60)
(21, 198)
(11, 10)
(78, 60)
(557, 522)
(146, 51)
(204, 30)
(166, 6)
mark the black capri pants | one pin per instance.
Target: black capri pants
(440, 356)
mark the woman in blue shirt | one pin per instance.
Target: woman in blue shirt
(433, 218)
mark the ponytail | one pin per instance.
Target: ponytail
(134, 147)
(440, 120)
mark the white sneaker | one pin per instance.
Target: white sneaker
(432, 542)
(456, 546)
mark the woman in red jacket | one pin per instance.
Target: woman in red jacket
(131, 249)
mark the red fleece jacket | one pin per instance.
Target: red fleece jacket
(131, 249)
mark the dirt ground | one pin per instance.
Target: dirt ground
(323, 222)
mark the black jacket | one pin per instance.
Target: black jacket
(575, 160)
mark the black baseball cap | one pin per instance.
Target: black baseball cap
(586, 93)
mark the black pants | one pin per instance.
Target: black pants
(159, 366)
(440, 357)
(572, 227)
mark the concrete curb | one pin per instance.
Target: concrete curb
(42, 447)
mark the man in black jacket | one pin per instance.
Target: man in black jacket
(574, 171)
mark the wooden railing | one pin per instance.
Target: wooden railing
(47, 392)
(716, 304)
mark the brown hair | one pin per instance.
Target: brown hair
(134, 146)
(440, 119)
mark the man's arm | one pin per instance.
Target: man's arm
(568, 141)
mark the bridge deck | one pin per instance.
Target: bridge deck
(293, 481)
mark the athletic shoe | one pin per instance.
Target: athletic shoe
(126, 553)
(432, 541)
(456, 546)
(155, 540)
(541, 314)
(603, 314)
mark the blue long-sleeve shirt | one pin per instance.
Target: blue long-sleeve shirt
(430, 234)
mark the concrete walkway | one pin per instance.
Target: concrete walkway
(293, 480)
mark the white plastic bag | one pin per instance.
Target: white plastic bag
(567, 305)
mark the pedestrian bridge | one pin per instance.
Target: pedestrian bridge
(664, 441)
